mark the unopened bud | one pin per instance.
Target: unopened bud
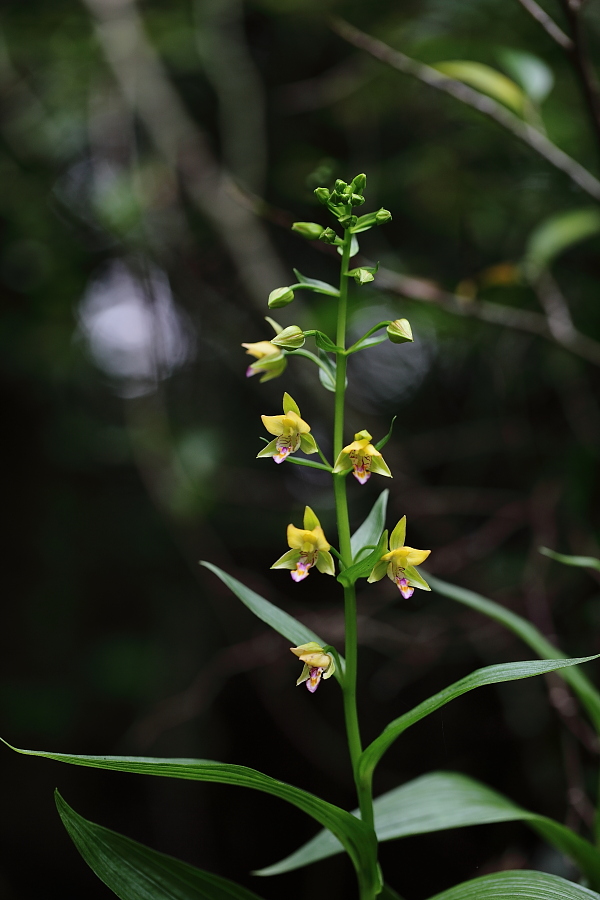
(322, 194)
(309, 230)
(348, 221)
(399, 331)
(340, 186)
(328, 236)
(280, 297)
(359, 182)
(291, 338)
(382, 216)
(357, 200)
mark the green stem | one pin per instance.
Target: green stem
(371, 331)
(341, 503)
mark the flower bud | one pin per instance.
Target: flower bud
(359, 182)
(322, 194)
(357, 199)
(340, 186)
(309, 230)
(399, 331)
(382, 216)
(348, 221)
(291, 338)
(328, 236)
(280, 297)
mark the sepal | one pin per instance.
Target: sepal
(399, 331)
(310, 230)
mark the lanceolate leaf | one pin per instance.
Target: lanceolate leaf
(321, 287)
(529, 634)
(279, 620)
(487, 80)
(358, 840)
(443, 800)
(555, 235)
(522, 884)
(368, 534)
(135, 872)
(584, 562)
(489, 675)
(381, 444)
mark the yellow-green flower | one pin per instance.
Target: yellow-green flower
(292, 432)
(362, 457)
(309, 548)
(270, 361)
(399, 563)
(317, 664)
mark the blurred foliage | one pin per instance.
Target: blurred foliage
(131, 432)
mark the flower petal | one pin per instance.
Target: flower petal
(379, 571)
(308, 444)
(287, 561)
(379, 466)
(398, 535)
(325, 563)
(310, 519)
(416, 557)
(290, 405)
(273, 424)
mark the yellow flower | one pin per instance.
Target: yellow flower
(309, 548)
(269, 360)
(399, 563)
(292, 432)
(362, 457)
(317, 663)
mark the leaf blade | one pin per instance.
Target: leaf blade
(584, 562)
(136, 872)
(480, 678)
(267, 612)
(524, 884)
(370, 531)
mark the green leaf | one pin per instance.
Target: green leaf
(388, 893)
(557, 234)
(584, 562)
(486, 80)
(135, 872)
(280, 621)
(358, 839)
(529, 634)
(368, 534)
(327, 376)
(523, 884)
(481, 677)
(380, 444)
(364, 568)
(442, 800)
(354, 248)
(529, 71)
(320, 287)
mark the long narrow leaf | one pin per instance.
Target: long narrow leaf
(358, 840)
(135, 872)
(529, 634)
(368, 534)
(489, 675)
(442, 800)
(267, 612)
(585, 562)
(526, 885)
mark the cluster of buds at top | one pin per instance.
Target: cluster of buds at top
(399, 563)
(317, 664)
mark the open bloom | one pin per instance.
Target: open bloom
(362, 457)
(309, 548)
(270, 361)
(317, 664)
(292, 432)
(399, 563)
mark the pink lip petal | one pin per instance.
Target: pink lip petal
(312, 682)
(405, 588)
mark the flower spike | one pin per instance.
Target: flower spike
(317, 664)
(293, 433)
(399, 563)
(361, 457)
(309, 547)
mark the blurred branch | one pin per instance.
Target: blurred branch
(337, 83)
(231, 70)
(582, 66)
(555, 326)
(470, 97)
(547, 23)
(146, 87)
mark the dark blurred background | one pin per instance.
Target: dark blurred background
(153, 158)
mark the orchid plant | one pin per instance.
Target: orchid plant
(443, 800)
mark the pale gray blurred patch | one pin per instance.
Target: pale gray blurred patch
(388, 373)
(133, 328)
